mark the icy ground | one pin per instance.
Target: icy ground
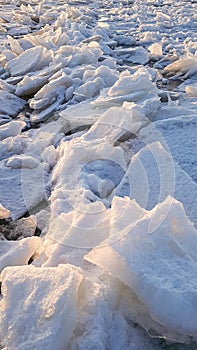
(98, 193)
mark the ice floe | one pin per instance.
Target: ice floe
(155, 258)
(10, 104)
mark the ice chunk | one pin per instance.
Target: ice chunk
(13, 145)
(29, 61)
(46, 309)
(49, 92)
(81, 114)
(10, 104)
(83, 229)
(156, 51)
(15, 188)
(116, 122)
(30, 85)
(15, 253)
(184, 67)
(156, 259)
(22, 161)
(124, 212)
(183, 129)
(90, 88)
(128, 83)
(49, 155)
(80, 152)
(129, 87)
(138, 55)
(149, 107)
(15, 45)
(135, 310)
(4, 213)
(108, 75)
(102, 188)
(87, 54)
(152, 175)
(88, 228)
(46, 135)
(191, 90)
(96, 318)
(57, 98)
(32, 82)
(4, 119)
(42, 218)
(7, 87)
(11, 129)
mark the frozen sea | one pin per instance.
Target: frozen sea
(98, 192)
